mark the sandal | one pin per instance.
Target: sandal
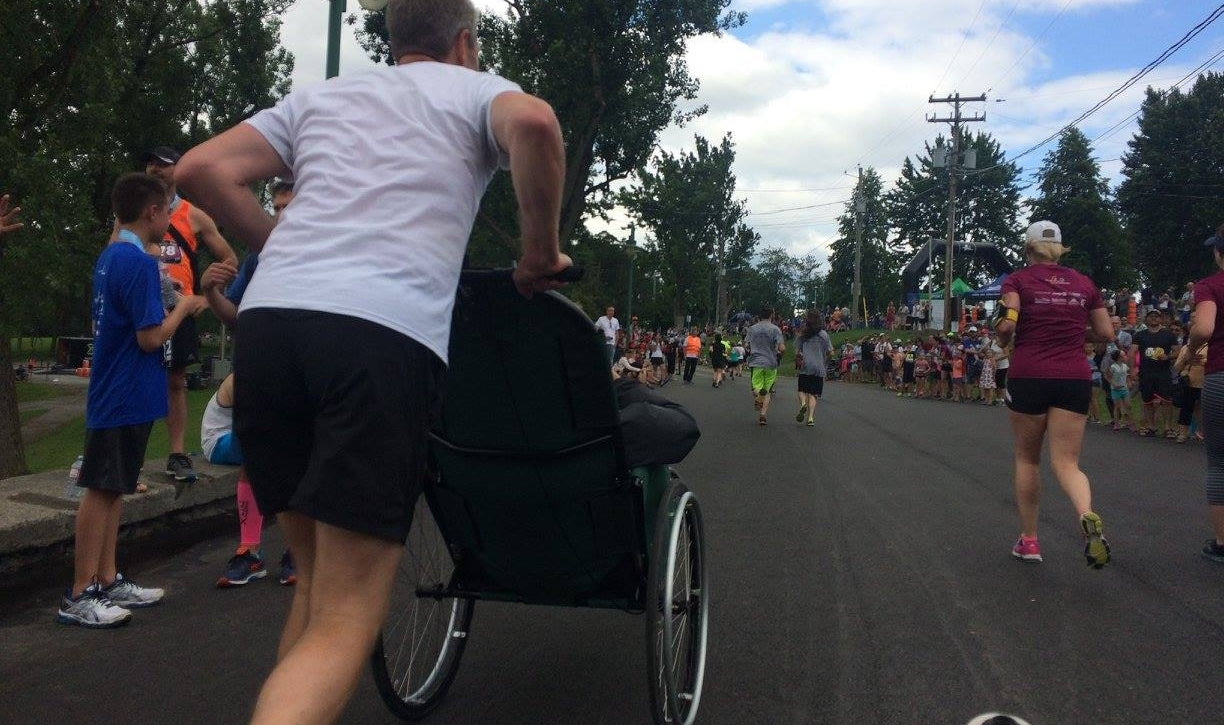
(1183, 438)
(1146, 432)
(1170, 434)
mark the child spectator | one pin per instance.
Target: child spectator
(922, 368)
(1119, 380)
(127, 393)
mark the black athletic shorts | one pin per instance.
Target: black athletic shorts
(811, 384)
(185, 345)
(1035, 396)
(1155, 386)
(333, 414)
(113, 457)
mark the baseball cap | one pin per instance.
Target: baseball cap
(1043, 231)
(164, 154)
(1215, 241)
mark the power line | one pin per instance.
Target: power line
(998, 29)
(1202, 66)
(1168, 52)
(795, 208)
(1215, 15)
(964, 37)
(1007, 73)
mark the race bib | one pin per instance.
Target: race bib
(171, 253)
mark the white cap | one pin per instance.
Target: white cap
(1043, 231)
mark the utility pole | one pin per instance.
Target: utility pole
(335, 17)
(720, 295)
(860, 206)
(953, 162)
(631, 252)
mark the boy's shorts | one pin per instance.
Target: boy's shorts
(226, 452)
(334, 413)
(1119, 393)
(113, 457)
(763, 379)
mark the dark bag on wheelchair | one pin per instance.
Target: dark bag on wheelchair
(655, 430)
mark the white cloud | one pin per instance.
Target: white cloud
(847, 83)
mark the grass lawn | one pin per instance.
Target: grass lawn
(59, 449)
(31, 413)
(29, 391)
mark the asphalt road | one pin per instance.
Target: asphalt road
(860, 574)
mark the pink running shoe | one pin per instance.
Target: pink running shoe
(1027, 549)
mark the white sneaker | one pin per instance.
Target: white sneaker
(92, 609)
(127, 593)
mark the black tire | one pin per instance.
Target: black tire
(677, 671)
(418, 651)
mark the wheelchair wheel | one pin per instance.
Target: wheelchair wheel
(417, 654)
(676, 626)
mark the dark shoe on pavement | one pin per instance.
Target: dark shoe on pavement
(244, 567)
(1214, 551)
(179, 467)
(288, 572)
(801, 414)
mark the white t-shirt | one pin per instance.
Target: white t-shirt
(218, 420)
(389, 168)
(609, 326)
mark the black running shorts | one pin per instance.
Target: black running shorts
(185, 345)
(811, 384)
(333, 414)
(1035, 396)
(113, 457)
(1156, 386)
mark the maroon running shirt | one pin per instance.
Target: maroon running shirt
(1054, 306)
(1212, 288)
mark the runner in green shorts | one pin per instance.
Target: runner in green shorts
(765, 347)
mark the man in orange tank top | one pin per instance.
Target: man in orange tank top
(189, 228)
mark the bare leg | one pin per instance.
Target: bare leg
(176, 419)
(300, 536)
(107, 570)
(1028, 432)
(91, 536)
(1066, 438)
(350, 584)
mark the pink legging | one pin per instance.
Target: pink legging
(250, 521)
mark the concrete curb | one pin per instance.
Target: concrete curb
(37, 521)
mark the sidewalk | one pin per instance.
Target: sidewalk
(37, 521)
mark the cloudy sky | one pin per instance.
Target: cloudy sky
(812, 88)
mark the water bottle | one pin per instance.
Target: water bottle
(72, 491)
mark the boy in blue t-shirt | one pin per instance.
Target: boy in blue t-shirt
(127, 392)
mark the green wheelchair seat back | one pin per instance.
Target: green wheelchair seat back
(531, 491)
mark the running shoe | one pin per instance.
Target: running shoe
(244, 567)
(761, 420)
(92, 610)
(127, 593)
(801, 414)
(758, 400)
(179, 466)
(1214, 551)
(1027, 549)
(288, 572)
(1096, 548)
(811, 424)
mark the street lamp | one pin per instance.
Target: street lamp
(335, 17)
(631, 251)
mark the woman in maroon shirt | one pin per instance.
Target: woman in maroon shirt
(1208, 327)
(1049, 310)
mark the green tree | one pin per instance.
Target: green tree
(687, 202)
(988, 205)
(880, 271)
(1074, 195)
(613, 70)
(1170, 196)
(91, 85)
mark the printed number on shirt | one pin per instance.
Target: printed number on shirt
(170, 253)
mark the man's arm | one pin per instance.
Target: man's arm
(214, 281)
(527, 129)
(151, 338)
(207, 232)
(216, 175)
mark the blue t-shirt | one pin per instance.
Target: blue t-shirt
(238, 287)
(127, 386)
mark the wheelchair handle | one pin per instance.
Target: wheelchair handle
(573, 273)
